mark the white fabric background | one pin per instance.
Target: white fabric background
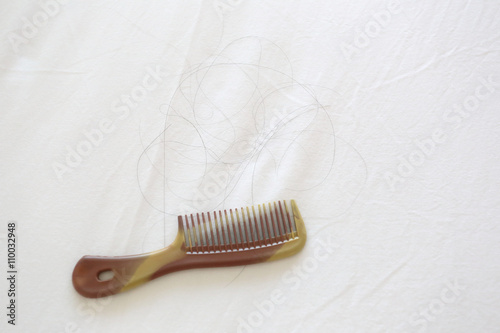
(331, 103)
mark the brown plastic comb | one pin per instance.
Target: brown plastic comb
(223, 238)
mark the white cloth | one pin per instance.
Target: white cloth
(379, 118)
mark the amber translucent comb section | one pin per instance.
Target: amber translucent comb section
(231, 237)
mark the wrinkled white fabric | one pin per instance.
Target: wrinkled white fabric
(380, 118)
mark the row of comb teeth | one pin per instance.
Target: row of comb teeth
(241, 229)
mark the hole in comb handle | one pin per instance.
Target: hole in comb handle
(105, 275)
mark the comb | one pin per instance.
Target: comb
(222, 238)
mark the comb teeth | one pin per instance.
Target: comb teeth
(239, 229)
